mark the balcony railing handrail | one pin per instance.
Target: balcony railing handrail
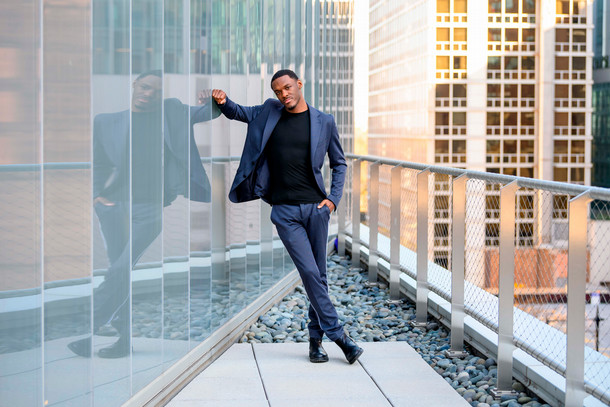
(551, 186)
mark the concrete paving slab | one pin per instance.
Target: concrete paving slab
(388, 374)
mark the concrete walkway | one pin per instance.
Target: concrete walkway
(280, 375)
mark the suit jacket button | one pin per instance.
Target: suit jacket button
(244, 176)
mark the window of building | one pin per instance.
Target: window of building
(560, 151)
(442, 6)
(495, 6)
(562, 91)
(578, 151)
(527, 171)
(560, 174)
(511, 63)
(561, 119)
(579, 91)
(493, 62)
(512, 6)
(512, 34)
(459, 118)
(442, 90)
(562, 35)
(579, 35)
(493, 118)
(442, 34)
(441, 146)
(528, 63)
(577, 175)
(578, 119)
(510, 118)
(459, 147)
(493, 90)
(494, 34)
(459, 91)
(492, 234)
(528, 91)
(460, 6)
(529, 34)
(576, 7)
(561, 63)
(562, 7)
(579, 63)
(527, 118)
(511, 91)
(459, 62)
(528, 6)
(442, 118)
(460, 34)
(442, 62)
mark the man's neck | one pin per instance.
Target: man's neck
(300, 108)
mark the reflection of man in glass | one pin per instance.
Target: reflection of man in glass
(163, 152)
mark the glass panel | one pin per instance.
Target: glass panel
(442, 91)
(459, 91)
(111, 101)
(459, 62)
(579, 63)
(511, 63)
(21, 364)
(493, 62)
(528, 91)
(528, 6)
(67, 201)
(512, 6)
(562, 63)
(511, 91)
(495, 6)
(562, 91)
(512, 34)
(493, 90)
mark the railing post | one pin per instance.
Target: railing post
(219, 216)
(395, 234)
(457, 267)
(506, 291)
(577, 280)
(421, 306)
(373, 221)
(356, 166)
(341, 221)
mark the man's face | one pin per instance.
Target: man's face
(146, 94)
(288, 91)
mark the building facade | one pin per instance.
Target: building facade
(503, 87)
(70, 80)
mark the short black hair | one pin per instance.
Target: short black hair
(155, 72)
(284, 72)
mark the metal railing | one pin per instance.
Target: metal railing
(518, 273)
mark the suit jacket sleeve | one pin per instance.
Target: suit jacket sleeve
(203, 113)
(244, 114)
(337, 164)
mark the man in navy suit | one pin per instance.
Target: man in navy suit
(135, 174)
(286, 144)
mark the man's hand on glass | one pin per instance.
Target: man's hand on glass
(220, 97)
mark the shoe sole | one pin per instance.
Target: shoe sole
(322, 360)
(355, 357)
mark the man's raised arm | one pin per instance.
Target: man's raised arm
(234, 111)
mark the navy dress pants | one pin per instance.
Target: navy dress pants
(304, 231)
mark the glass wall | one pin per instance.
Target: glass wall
(119, 250)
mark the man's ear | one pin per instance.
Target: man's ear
(299, 83)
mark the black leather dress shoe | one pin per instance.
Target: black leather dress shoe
(317, 354)
(119, 349)
(82, 347)
(350, 349)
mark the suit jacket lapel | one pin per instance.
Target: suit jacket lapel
(315, 128)
(274, 117)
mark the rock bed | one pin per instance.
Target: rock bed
(369, 318)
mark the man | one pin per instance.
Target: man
(286, 143)
(155, 163)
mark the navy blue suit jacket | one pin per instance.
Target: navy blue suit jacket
(110, 145)
(252, 178)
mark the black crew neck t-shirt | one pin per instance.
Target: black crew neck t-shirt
(288, 154)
